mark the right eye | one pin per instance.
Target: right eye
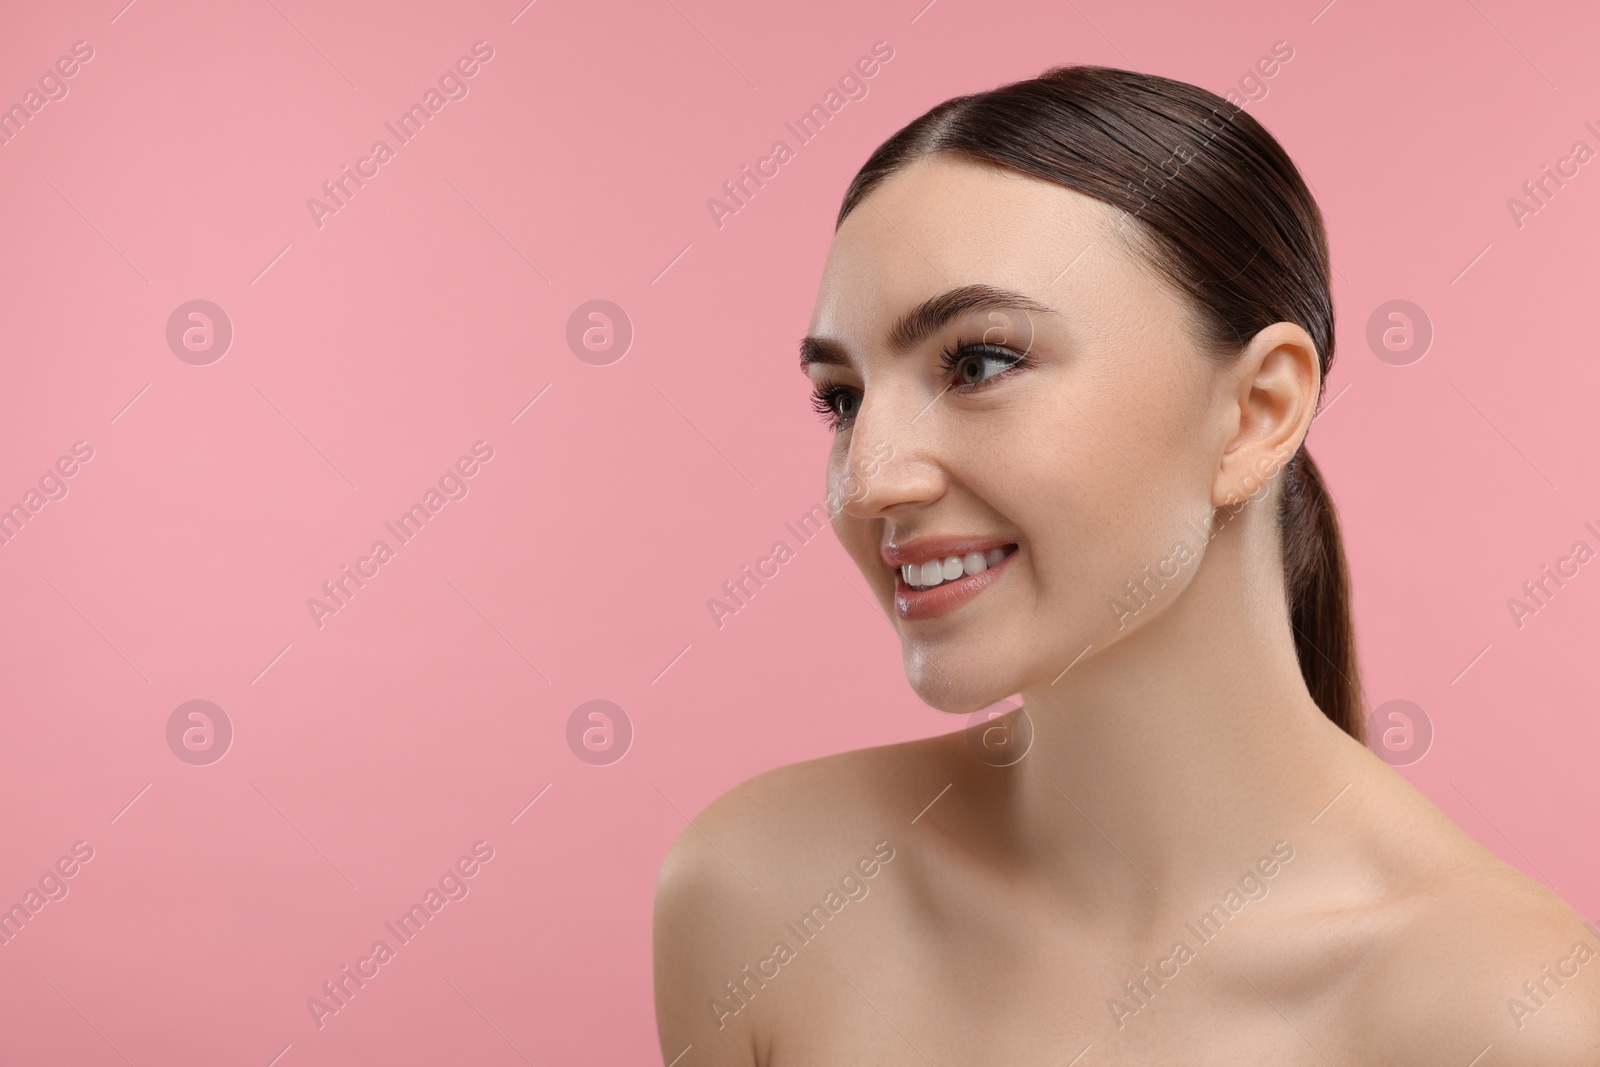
(835, 404)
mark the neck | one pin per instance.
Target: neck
(1174, 757)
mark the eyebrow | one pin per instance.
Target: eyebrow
(924, 320)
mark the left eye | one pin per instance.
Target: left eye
(967, 362)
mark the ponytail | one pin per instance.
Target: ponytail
(1317, 580)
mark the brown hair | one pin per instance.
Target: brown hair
(1207, 190)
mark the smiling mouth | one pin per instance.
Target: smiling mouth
(936, 572)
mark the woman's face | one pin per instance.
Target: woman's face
(1086, 462)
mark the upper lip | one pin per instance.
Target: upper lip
(921, 549)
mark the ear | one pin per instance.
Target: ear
(1276, 380)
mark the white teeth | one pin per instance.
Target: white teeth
(938, 571)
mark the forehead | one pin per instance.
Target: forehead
(942, 222)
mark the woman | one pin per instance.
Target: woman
(1071, 335)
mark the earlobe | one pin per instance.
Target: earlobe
(1278, 376)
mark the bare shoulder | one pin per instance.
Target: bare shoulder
(1487, 963)
(791, 817)
(884, 778)
(763, 852)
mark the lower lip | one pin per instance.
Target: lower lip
(945, 597)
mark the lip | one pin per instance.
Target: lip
(946, 597)
(925, 548)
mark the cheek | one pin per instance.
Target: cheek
(1145, 414)
(839, 484)
(1105, 482)
(854, 533)
(844, 485)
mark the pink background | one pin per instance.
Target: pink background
(368, 354)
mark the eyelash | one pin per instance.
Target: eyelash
(825, 398)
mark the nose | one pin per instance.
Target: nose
(890, 461)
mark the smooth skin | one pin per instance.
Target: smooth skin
(1168, 760)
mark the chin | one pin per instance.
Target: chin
(954, 691)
